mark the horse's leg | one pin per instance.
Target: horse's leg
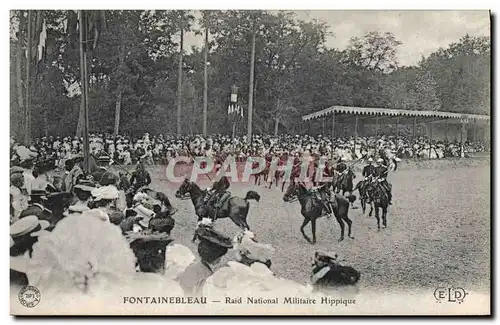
(342, 226)
(349, 225)
(304, 223)
(283, 186)
(313, 228)
(384, 216)
(371, 209)
(377, 216)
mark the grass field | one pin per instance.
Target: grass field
(438, 230)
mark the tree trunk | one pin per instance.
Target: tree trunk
(276, 125)
(250, 89)
(205, 85)
(179, 82)
(118, 105)
(19, 56)
(27, 125)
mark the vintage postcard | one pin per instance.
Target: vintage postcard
(250, 162)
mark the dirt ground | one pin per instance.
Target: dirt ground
(438, 230)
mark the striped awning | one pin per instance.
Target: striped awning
(385, 112)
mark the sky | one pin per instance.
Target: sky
(422, 32)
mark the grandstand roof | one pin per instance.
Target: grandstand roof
(346, 114)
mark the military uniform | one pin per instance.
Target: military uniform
(218, 192)
(381, 172)
(369, 169)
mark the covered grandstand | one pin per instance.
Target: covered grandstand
(478, 124)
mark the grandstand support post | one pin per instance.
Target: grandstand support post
(356, 133)
(333, 126)
(378, 126)
(430, 139)
(333, 133)
(397, 128)
(414, 126)
(462, 132)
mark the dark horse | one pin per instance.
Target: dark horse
(235, 208)
(361, 186)
(378, 196)
(312, 209)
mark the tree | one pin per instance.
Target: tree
(183, 20)
(375, 51)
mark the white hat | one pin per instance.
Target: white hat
(106, 192)
(380, 160)
(370, 159)
(246, 244)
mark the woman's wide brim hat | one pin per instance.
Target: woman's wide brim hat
(146, 236)
(213, 236)
(39, 193)
(28, 225)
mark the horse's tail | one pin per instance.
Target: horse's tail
(252, 195)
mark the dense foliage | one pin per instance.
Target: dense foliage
(135, 67)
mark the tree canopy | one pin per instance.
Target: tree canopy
(135, 65)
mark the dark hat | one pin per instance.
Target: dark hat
(38, 193)
(108, 178)
(78, 158)
(85, 185)
(213, 236)
(161, 223)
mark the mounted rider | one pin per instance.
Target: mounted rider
(218, 192)
(140, 177)
(381, 172)
(323, 195)
(341, 169)
(369, 169)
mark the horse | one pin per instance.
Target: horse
(380, 200)
(311, 209)
(363, 195)
(235, 208)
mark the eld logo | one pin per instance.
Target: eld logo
(450, 294)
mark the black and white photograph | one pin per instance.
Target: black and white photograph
(250, 162)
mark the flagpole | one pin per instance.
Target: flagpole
(84, 85)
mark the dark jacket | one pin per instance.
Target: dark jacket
(38, 210)
(141, 178)
(381, 171)
(368, 170)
